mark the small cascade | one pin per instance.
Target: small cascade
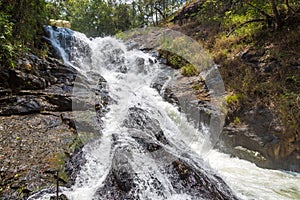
(147, 149)
(68, 45)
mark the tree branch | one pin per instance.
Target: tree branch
(244, 23)
(259, 10)
(160, 12)
(289, 7)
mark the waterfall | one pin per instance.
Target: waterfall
(146, 148)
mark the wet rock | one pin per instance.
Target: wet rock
(63, 103)
(60, 197)
(122, 169)
(50, 89)
(147, 141)
(28, 102)
(140, 62)
(161, 84)
(195, 181)
(183, 174)
(123, 69)
(138, 119)
(111, 190)
(76, 49)
(73, 165)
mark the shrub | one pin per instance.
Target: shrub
(7, 49)
(189, 70)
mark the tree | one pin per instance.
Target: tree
(271, 14)
(21, 24)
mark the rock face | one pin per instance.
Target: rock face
(37, 129)
(186, 12)
(46, 87)
(262, 138)
(259, 140)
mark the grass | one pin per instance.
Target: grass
(278, 89)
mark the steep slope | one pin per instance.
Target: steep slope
(261, 73)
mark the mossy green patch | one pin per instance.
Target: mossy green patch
(233, 99)
(189, 70)
(236, 120)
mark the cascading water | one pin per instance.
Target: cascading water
(147, 149)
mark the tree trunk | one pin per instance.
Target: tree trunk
(277, 17)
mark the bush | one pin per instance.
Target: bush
(189, 70)
(7, 49)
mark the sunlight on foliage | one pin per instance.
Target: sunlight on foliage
(189, 70)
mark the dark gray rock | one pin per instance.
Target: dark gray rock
(122, 170)
(20, 80)
(138, 119)
(258, 140)
(76, 50)
(184, 174)
(60, 197)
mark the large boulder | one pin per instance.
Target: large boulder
(131, 178)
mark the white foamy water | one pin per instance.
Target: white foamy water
(248, 181)
(129, 75)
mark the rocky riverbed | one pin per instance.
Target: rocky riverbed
(37, 130)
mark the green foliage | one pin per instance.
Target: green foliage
(247, 18)
(189, 70)
(28, 18)
(236, 120)
(176, 61)
(101, 17)
(7, 49)
(20, 26)
(248, 29)
(173, 60)
(233, 99)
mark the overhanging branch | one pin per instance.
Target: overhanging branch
(259, 10)
(243, 24)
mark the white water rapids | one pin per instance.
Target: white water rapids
(132, 89)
